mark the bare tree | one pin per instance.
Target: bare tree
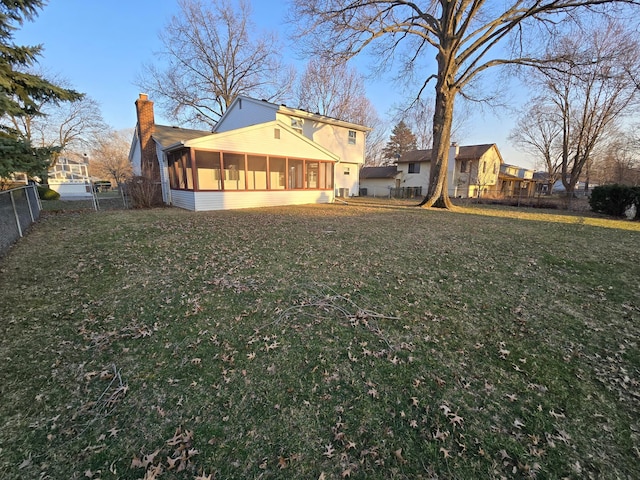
(110, 157)
(588, 90)
(336, 90)
(419, 118)
(466, 35)
(539, 133)
(214, 53)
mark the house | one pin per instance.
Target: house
(514, 181)
(379, 181)
(70, 177)
(259, 154)
(472, 171)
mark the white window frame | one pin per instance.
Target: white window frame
(352, 137)
(296, 124)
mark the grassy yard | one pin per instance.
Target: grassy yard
(324, 341)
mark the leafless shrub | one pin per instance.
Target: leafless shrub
(144, 193)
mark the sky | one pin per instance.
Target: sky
(100, 48)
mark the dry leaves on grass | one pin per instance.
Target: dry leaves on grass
(178, 458)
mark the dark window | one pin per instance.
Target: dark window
(180, 174)
(414, 168)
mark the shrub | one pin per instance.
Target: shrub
(612, 200)
(45, 193)
(144, 193)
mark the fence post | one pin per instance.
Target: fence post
(15, 212)
(26, 194)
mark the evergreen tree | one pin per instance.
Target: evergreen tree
(22, 92)
(402, 140)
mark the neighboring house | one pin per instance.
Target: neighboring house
(259, 154)
(379, 181)
(472, 170)
(70, 178)
(516, 181)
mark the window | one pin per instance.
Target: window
(276, 133)
(352, 137)
(256, 172)
(208, 170)
(312, 173)
(484, 167)
(346, 171)
(234, 173)
(495, 168)
(180, 174)
(464, 166)
(414, 168)
(326, 175)
(277, 173)
(295, 174)
(296, 124)
(217, 171)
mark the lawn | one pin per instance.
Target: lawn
(321, 341)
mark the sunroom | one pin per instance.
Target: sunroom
(262, 165)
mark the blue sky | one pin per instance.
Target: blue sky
(100, 46)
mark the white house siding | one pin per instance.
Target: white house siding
(249, 112)
(202, 201)
(335, 138)
(414, 179)
(347, 178)
(261, 140)
(135, 155)
(183, 199)
(164, 175)
(378, 187)
(71, 188)
(482, 177)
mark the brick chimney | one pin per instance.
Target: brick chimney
(146, 125)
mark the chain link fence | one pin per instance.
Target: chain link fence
(19, 208)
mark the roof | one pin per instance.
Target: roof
(473, 152)
(296, 112)
(167, 136)
(415, 156)
(378, 172)
(469, 152)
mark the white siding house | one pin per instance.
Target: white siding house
(472, 170)
(254, 157)
(344, 139)
(70, 178)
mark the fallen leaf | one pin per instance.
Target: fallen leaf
(329, 451)
(398, 454)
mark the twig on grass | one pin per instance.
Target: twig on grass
(119, 392)
(332, 302)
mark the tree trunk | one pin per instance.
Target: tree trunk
(438, 192)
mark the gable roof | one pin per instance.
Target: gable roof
(236, 140)
(473, 152)
(378, 172)
(415, 156)
(469, 152)
(296, 112)
(167, 136)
